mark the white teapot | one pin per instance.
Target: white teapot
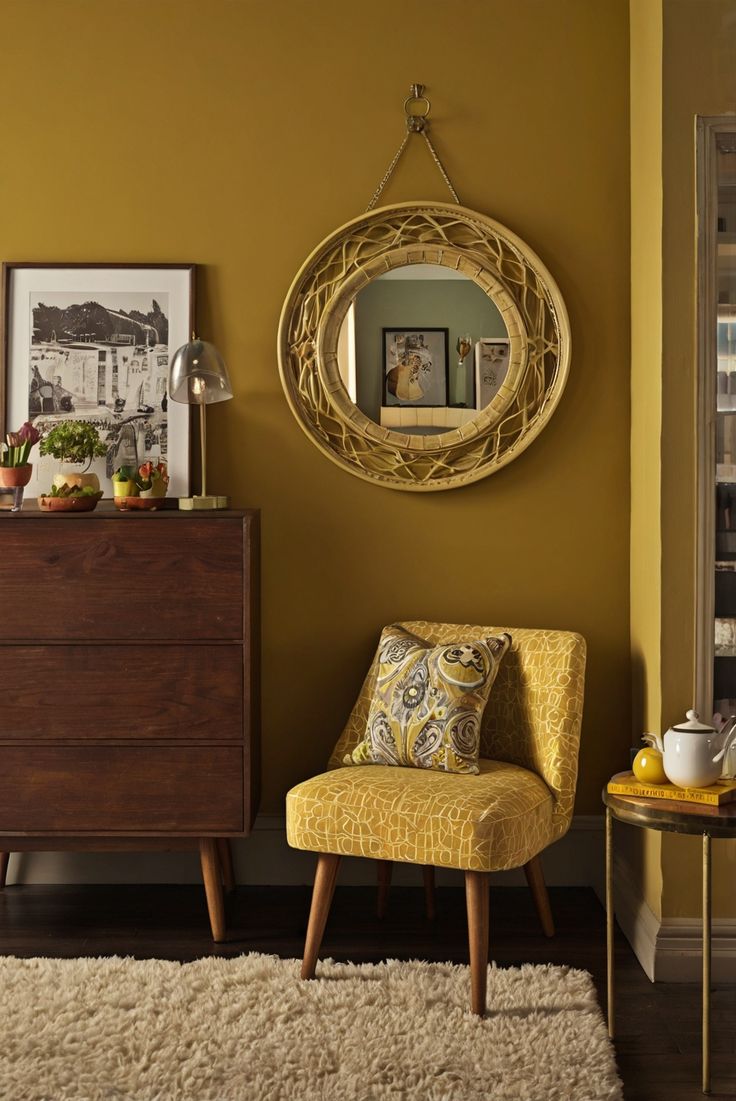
(693, 752)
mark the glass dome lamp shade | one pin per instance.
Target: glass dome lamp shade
(198, 375)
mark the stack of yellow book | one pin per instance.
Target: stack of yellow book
(625, 783)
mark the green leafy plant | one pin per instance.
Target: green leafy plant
(73, 442)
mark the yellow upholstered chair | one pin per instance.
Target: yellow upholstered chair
(520, 802)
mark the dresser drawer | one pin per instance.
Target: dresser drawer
(121, 578)
(103, 789)
(121, 692)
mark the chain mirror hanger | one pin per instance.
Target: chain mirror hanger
(378, 395)
(416, 109)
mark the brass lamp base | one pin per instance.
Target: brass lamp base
(208, 501)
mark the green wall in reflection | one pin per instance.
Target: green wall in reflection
(459, 305)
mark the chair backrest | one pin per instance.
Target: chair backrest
(535, 711)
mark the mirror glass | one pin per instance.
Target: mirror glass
(422, 349)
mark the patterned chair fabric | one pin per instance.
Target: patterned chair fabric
(521, 801)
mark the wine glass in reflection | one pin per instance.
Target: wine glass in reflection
(464, 344)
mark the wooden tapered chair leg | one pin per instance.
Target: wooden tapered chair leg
(535, 879)
(385, 868)
(225, 853)
(428, 873)
(324, 888)
(211, 875)
(477, 903)
(4, 861)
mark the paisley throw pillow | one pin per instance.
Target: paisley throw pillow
(429, 701)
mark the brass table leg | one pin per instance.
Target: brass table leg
(706, 961)
(609, 919)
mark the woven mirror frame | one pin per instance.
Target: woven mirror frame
(512, 276)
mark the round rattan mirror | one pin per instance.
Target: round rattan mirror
(423, 346)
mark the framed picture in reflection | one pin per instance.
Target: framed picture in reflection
(415, 366)
(492, 357)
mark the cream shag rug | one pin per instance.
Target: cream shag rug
(248, 1029)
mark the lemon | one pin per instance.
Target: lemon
(648, 767)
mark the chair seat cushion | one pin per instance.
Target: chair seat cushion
(498, 819)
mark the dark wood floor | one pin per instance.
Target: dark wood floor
(658, 1044)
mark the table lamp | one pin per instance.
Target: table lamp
(198, 376)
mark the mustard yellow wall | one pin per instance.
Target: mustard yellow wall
(642, 848)
(237, 134)
(683, 64)
(699, 78)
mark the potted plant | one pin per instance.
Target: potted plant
(77, 443)
(69, 499)
(15, 470)
(143, 488)
(152, 480)
(123, 483)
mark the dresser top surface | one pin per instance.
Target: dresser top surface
(106, 511)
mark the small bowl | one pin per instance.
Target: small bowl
(130, 504)
(68, 504)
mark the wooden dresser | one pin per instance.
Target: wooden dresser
(129, 684)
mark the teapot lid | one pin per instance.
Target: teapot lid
(694, 723)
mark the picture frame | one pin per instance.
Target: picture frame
(415, 366)
(492, 359)
(93, 342)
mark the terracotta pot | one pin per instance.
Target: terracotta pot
(67, 504)
(13, 476)
(128, 504)
(80, 480)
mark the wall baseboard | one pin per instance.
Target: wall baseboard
(265, 859)
(670, 950)
(679, 948)
(638, 922)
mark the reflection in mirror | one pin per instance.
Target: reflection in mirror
(422, 349)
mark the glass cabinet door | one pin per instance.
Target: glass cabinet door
(724, 285)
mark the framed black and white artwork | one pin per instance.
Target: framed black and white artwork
(92, 343)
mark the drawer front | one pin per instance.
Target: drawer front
(121, 693)
(121, 578)
(104, 789)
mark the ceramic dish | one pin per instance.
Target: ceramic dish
(126, 504)
(68, 504)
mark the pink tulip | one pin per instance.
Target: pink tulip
(20, 444)
(29, 434)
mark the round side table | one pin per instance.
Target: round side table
(670, 817)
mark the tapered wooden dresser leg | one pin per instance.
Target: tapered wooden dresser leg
(324, 888)
(535, 879)
(4, 860)
(477, 903)
(428, 873)
(213, 886)
(225, 852)
(385, 868)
